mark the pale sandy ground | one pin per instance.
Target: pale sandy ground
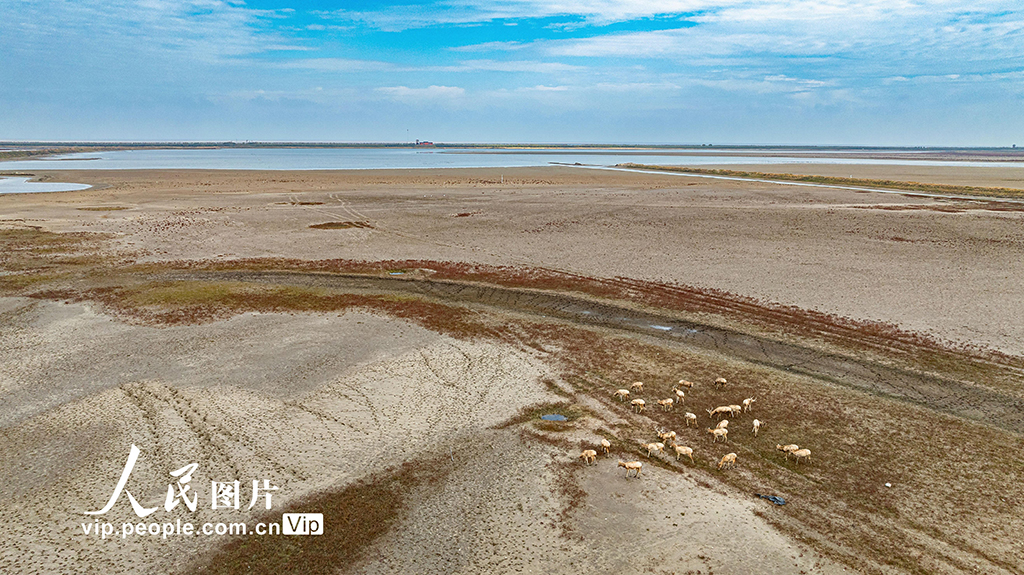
(311, 401)
(949, 274)
(663, 522)
(288, 398)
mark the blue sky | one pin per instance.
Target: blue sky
(876, 72)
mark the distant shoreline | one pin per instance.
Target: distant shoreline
(16, 146)
(15, 151)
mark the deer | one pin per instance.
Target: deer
(652, 447)
(667, 436)
(637, 386)
(690, 418)
(758, 424)
(605, 444)
(800, 455)
(666, 404)
(589, 456)
(724, 424)
(681, 450)
(723, 433)
(728, 460)
(638, 405)
(720, 383)
(632, 466)
(748, 404)
(720, 410)
(622, 394)
(787, 449)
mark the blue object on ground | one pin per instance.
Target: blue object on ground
(773, 498)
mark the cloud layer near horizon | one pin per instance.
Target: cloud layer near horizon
(892, 72)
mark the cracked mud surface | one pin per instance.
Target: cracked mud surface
(302, 410)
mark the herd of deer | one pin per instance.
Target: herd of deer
(721, 429)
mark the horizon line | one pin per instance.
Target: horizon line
(353, 144)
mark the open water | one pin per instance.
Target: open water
(396, 158)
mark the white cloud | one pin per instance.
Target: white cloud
(542, 88)
(466, 12)
(203, 30)
(517, 66)
(689, 43)
(469, 66)
(636, 88)
(801, 83)
(603, 12)
(333, 65)
(673, 55)
(397, 18)
(316, 94)
(777, 11)
(288, 48)
(883, 38)
(490, 47)
(430, 93)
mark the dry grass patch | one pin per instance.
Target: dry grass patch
(571, 495)
(956, 484)
(840, 181)
(31, 257)
(883, 342)
(341, 225)
(570, 411)
(355, 517)
(193, 302)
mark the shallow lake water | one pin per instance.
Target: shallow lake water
(24, 186)
(412, 158)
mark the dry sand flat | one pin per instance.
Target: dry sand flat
(494, 521)
(313, 401)
(293, 401)
(317, 400)
(946, 268)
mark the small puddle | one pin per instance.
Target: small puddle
(661, 327)
(553, 417)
